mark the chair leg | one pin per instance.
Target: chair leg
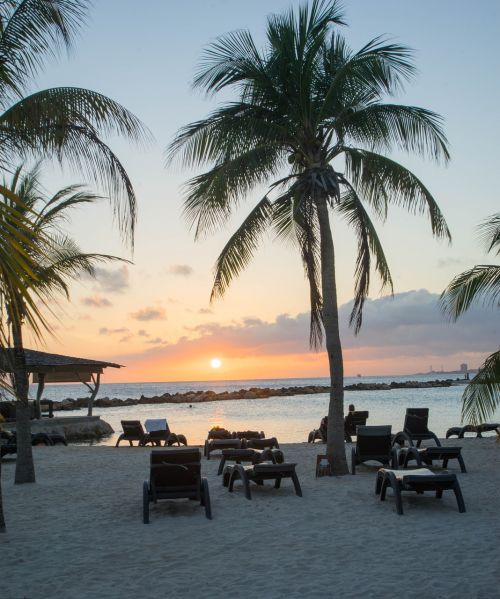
(205, 498)
(439, 493)
(145, 503)
(296, 484)
(445, 463)
(118, 440)
(459, 496)
(221, 465)
(277, 482)
(353, 460)
(378, 483)
(462, 463)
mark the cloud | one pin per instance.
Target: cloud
(157, 341)
(106, 331)
(143, 333)
(407, 328)
(96, 302)
(126, 338)
(205, 311)
(146, 314)
(113, 281)
(182, 270)
(449, 262)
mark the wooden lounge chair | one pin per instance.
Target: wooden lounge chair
(479, 429)
(132, 431)
(258, 474)
(373, 443)
(427, 455)
(247, 435)
(415, 428)
(175, 474)
(419, 480)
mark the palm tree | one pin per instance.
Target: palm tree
(65, 123)
(480, 284)
(309, 104)
(56, 260)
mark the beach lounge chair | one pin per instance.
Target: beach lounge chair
(419, 480)
(252, 456)
(158, 430)
(175, 474)
(352, 421)
(258, 474)
(427, 455)
(216, 444)
(132, 431)
(373, 443)
(415, 428)
(479, 429)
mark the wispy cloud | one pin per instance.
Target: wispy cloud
(182, 270)
(106, 331)
(96, 302)
(146, 314)
(112, 281)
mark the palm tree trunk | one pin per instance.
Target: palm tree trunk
(335, 448)
(25, 468)
(2, 517)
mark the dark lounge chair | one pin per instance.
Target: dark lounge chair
(419, 480)
(132, 431)
(252, 456)
(8, 441)
(415, 428)
(158, 431)
(479, 429)
(258, 474)
(247, 435)
(373, 443)
(216, 444)
(427, 455)
(351, 423)
(175, 474)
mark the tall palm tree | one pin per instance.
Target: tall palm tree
(55, 262)
(480, 284)
(309, 104)
(65, 123)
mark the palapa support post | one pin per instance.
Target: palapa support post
(39, 392)
(93, 391)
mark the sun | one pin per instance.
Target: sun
(215, 363)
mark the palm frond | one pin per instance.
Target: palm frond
(240, 249)
(490, 233)
(351, 207)
(33, 30)
(381, 181)
(388, 126)
(480, 284)
(481, 397)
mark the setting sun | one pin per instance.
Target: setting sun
(215, 363)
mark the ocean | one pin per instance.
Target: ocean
(288, 418)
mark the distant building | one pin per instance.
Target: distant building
(464, 368)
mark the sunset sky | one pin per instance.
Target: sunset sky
(154, 316)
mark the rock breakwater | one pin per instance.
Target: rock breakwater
(252, 393)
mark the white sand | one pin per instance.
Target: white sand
(78, 533)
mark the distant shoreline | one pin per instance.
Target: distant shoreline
(251, 393)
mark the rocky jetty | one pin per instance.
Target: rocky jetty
(252, 393)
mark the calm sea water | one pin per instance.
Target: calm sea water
(288, 418)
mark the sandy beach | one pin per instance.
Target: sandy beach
(78, 533)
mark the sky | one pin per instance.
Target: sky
(153, 315)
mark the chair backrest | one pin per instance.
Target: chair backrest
(132, 429)
(153, 425)
(416, 420)
(219, 433)
(174, 468)
(262, 443)
(248, 435)
(374, 440)
(355, 419)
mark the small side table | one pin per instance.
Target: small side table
(324, 466)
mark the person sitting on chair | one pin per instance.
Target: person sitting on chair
(348, 424)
